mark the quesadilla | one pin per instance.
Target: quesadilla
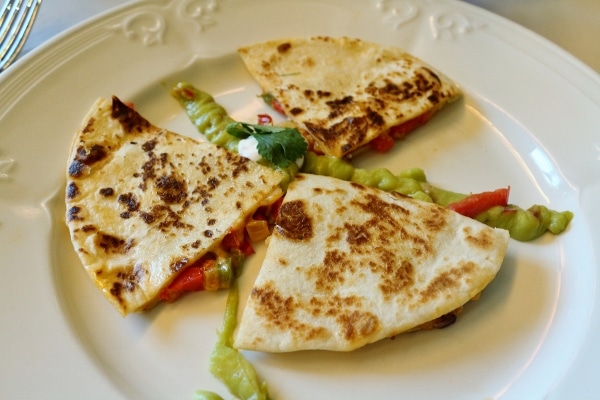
(343, 93)
(348, 265)
(144, 204)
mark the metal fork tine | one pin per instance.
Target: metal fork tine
(15, 25)
(6, 8)
(9, 12)
(13, 29)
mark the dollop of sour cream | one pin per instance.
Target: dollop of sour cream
(249, 148)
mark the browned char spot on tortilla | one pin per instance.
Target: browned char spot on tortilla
(482, 239)
(85, 157)
(72, 190)
(113, 244)
(280, 312)
(357, 324)
(352, 129)
(331, 273)
(129, 200)
(73, 214)
(130, 120)
(127, 279)
(447, 281)
(106, 192)
(294, 222)
(170, 189)
(284, 47)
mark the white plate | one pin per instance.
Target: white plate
(530, 119)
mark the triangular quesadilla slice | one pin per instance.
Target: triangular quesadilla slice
(348, 265)
(344, 93)
(143, 203)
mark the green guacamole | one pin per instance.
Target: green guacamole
(206, 395)
(526, 225)
(228, 364)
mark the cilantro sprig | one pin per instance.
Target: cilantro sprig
(279, 145)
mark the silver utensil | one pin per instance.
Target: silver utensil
(15, 24)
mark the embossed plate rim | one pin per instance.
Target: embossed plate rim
(27, 209)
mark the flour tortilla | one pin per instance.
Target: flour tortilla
(348, 265)
(343, 92)
(143, 203)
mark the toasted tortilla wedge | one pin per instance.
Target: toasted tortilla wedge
(348, 265)
(343, 93)
(143, 203)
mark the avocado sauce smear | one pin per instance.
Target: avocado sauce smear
(228, 364)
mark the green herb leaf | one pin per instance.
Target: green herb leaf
(276, 144)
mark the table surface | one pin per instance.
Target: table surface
(573, 25)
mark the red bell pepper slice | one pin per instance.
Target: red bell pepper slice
(190, 279)
(276, 105)
(399, 131)
(382, 143)
(238, 240)
(477, 203)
